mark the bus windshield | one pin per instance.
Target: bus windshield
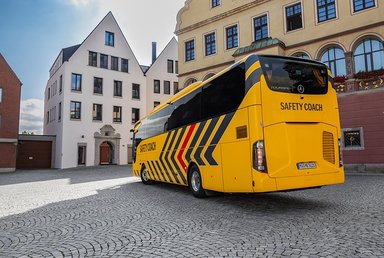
(294, 76)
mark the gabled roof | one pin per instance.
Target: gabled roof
(69, 51)
(157, 58)
(10, 68)
(144, 68)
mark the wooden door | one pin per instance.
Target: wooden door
(105, 153)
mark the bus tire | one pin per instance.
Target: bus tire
(195, 182)
(144, 176)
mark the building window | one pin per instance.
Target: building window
(135, 91)
(117, 114)
(175, 87)
(61, 83)
(1, 95)
(189, 82)
(189, 50)
(124, 65)
(156, 86)
(167, 87)
(210, 44)
(156, 103)
(369, 55)
(301, 55)
(97, 113)
(76, 82)
(75, 110)
(135, 115)
(326, 10)
(97, 85)
(92, 60)
(81, 155)
(294, 17)
(170, 66)
(59, 115)
(353, 138)
(359, 5)
(49, 93)
(260, 26)
(109, 38)
(117, 88)
(47, 120)
(114, 63)
(335, 59)
(104, 61)
(215, 3)
(232, 37)
(176, 67)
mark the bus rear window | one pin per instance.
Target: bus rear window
(294, 76)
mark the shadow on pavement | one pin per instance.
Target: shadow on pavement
(76, 175)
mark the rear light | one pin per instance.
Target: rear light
(340, 155)
(259, 160)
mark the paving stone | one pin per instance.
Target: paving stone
(103, 211)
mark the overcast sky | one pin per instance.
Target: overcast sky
(34, 31)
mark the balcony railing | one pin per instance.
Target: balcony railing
(360, 81)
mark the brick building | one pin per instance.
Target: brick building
(10, 89)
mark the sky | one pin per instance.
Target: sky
(33, 32)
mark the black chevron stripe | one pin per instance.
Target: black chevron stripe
(162, 161)
(255, 76)
(159, 175)
(167, 154)
(204, 140)
(173, 156)
(212, 146)
(158, 167)
(156, 176)
(150, 172)
(194, 141)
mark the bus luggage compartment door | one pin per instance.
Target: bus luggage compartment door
(297, 149)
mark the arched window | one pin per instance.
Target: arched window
(208, 76)
(189, 82)
(369, 55)
(335, 59)
(301, 55)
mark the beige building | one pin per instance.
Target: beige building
(348, 35)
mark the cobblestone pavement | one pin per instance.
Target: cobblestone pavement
(105, 212)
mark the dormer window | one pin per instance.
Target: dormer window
(215, 3)
(109, 38)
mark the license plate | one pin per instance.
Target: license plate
(306, 165)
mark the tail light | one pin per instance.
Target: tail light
(340, 155)
(259, 160)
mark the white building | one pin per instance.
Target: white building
(96, 92)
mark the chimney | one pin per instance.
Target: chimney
(154, 54)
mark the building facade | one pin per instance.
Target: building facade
(212, 34)
(347, 35)
(10, 90)
(96, 92)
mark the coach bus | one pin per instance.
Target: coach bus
(266, 123)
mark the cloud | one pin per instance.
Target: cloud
(80, 3)
(32, 116)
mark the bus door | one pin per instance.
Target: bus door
(300, 118)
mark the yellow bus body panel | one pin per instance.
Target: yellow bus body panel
(295, 128)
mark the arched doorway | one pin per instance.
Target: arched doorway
(106, 153)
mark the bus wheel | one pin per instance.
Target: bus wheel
(144, 176)
(195, 182)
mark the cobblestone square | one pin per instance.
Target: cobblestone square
(104, 211)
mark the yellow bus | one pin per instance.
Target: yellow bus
(266, 123)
